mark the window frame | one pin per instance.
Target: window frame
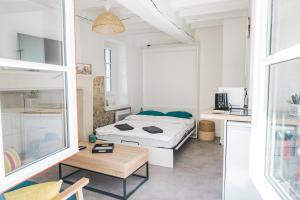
(110, 64)
(69, 69)
(260, 64)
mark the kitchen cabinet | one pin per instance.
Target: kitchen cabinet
(237, 183)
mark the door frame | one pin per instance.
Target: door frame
(260, 62)
(8, 181)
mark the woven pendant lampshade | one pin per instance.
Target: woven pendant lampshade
(108, 24)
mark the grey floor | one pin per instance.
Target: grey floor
(197, 175)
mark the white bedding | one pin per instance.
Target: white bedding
(173, 131)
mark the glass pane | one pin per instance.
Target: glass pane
(32, 31)
(108, 84)
(283, 163)
(107, 54)
(108, 70)
(285, 24)
(32, 115)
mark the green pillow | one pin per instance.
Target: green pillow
(151, 113)
(179, 114)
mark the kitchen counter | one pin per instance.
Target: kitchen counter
(224, 117)
(209, 115)
(34, 110)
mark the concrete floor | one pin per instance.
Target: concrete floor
(197, 175)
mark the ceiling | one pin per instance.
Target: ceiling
(90, 9)
(188, 14)
(135, 26)
(148, 18)
(204, 13)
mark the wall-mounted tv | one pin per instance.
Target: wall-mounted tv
(42, 50)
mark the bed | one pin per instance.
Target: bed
(161, 146)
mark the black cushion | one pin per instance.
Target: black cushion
(124, 127)
(153, 129)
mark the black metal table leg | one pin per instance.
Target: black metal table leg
(147, 170)
(125, 195)
(124, 189)
(59, 171)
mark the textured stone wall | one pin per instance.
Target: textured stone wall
(100, 116)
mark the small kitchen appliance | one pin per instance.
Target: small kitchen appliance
(221, 101)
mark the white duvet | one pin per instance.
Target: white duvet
(171, 127)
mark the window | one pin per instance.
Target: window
(108, 69)
(33, 112)
(284, 32)
(38, 119)
(275, 164)
(115, 78)
(283, 144)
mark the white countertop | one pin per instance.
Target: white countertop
(209, 115)
(224, 116)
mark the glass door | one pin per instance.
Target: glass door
(38, 119)
(275, 142)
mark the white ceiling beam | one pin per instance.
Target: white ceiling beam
(206, 24)
(132, 20)
(152, 36)
(217, 16)
(215, 8)
(138, 26)
(141, 32)
(183, 4)
(158, 15)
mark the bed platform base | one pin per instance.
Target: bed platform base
(162, 156)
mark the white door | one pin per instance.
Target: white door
(275, 141)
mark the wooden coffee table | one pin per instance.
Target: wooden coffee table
(122, 163)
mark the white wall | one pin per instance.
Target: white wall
(235, 72)
(135, 75)
(90, 48)
(223, 60)
(170, 77)
(211, 53)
